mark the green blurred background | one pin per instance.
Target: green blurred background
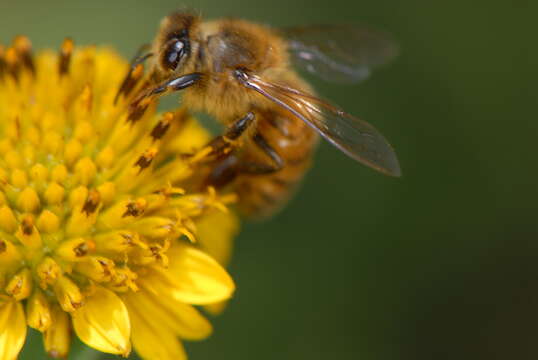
(440, 264)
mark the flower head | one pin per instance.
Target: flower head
(99, 209)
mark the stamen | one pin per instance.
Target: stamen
(137, 109)
(27, 225)
(91, 203)
(158, 253)
(135, 208)
(131, 79)
(12, 62)
(75, 249)
(81, 250)
(66, 51)
(123, 280)
(28, 234)
(145, 159)
(162, 126)
(23, 47)
(3, 65)
(170, 191)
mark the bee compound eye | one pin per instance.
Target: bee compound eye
(173, 53)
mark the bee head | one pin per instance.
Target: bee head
(175, 44)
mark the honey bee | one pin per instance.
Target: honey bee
(242, 74)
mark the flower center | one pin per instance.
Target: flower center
(91, 190)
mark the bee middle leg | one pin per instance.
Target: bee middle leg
(139, 105)
(228, 167)
(221, 150)
(224, 144)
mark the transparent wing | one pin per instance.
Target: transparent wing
(339, 53)
(356, 138)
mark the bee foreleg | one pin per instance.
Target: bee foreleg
(174, 84)
(230, 165)
(224, 144)
(169, 85)
(226, 166)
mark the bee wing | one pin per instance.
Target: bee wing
(356, 138)
(339, 53)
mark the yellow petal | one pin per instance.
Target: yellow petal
(13, 333)
(197, 138)
(216, 308)
(103, 323)
(182, 319)
(57, 338)
(193, 277)
(215, 234)
(154, 342)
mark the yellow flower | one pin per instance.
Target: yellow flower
(104, 225)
